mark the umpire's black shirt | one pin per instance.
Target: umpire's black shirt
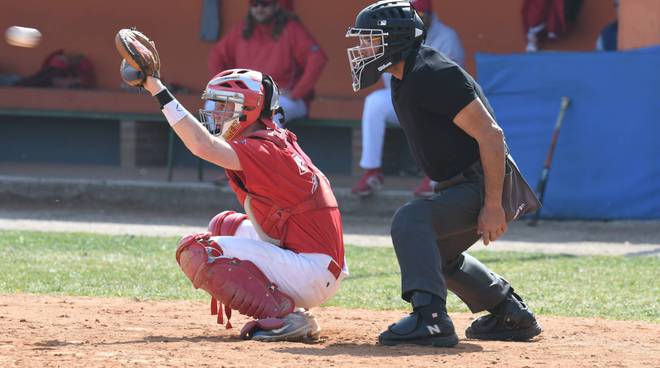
(433, 90)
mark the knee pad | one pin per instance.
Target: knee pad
(226, 223)
(238, 284)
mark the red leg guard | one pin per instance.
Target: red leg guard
(226, 223)
(236, 283)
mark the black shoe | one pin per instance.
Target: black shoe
(512, 320)
(426, 325)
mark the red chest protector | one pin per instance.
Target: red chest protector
(274, 223)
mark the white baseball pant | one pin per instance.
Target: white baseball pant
(302, 276)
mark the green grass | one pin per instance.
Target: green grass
(145, 268)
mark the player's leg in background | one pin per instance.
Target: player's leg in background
(377, 111)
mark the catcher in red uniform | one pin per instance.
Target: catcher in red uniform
(286, 253)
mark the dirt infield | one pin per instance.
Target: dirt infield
(48, 331)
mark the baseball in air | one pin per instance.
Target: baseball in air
(22, 36)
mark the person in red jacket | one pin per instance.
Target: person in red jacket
(272, 40)
(286, 253)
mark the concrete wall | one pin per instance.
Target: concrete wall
(88, 26)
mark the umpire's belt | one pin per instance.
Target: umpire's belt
(462, 177)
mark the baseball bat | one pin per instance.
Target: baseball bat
(543, 181)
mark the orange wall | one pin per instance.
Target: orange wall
(639, 24)
(496, 26)
(88, 26)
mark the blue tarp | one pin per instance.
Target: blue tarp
(607, 160)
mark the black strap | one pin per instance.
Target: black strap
(164, 97)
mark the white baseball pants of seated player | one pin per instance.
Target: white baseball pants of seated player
(377, 111)
(303, 276)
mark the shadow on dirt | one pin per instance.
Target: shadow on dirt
(48, 344)
(372, 350)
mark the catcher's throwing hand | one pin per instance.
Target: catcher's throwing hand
(140, 56)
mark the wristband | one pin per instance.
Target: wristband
(163, 97)
(174, 112)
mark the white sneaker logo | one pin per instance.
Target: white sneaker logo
(433, 329)
(278, 331)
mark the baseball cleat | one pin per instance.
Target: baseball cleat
(300, 326)
(371, 182)
(513, 322)
(438, 332)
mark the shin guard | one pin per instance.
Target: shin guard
(238, 284)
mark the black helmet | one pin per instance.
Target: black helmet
(388, 31)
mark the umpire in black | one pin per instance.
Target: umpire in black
(452, 133)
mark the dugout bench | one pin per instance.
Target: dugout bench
(128, 108)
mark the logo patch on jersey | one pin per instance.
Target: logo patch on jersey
(302, 167)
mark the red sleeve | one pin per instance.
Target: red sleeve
(223, 54)
(309, 56)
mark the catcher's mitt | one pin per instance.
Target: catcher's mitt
(140, 53)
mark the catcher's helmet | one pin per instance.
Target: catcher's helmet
(388, 31)
(242, 97)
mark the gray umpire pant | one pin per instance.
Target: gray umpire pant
(430, 236)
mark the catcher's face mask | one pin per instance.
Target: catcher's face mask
(236, 100)
(222, 114)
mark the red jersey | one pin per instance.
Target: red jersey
(295, 60)
(288, 199)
